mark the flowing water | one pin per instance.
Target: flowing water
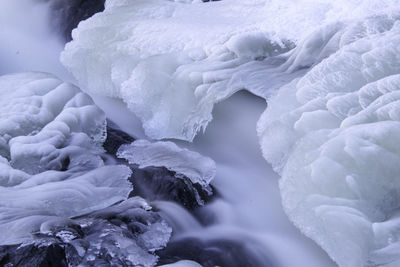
(245, 224)
(248, 209)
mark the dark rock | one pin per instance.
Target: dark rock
(68, 13)
(33, 256)
(126, 234)
(115, 138)
(223, 253)
(157, 183)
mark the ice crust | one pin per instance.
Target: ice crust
(331, 130)
(185, 163)
(333, 135)
(171, 61)
(51, 169)
(126, 234)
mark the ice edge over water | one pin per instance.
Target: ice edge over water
(51, 137)
(185, 163)
(331, 134)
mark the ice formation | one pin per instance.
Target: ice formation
(333, 136)
(51, 169)
(171, 61)
(185, 163)
(126, 234)
(183, 263)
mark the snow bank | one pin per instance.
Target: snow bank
(171, 61)
(333, 135)
(51, 137)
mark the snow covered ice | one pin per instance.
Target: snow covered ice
(126, 234)
(333, 136)
(329, 70)
(193, 171)
(51, 137)
(149, 53)
(183, 162)
(56, 189)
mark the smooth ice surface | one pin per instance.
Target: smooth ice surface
(182, 264)
(333, 135)
(170, 61)
(51, 137)
(185, 163)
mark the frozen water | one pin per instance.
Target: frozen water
(185, 163)
(51, 137)
(126, 234)
(171, 61)
(333, 136)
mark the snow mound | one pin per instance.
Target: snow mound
(171, 61)
(51, 137)
(333, 135)
(185, 163)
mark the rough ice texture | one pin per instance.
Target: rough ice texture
(171, 61)
(331, 134)
(185, 163)
(334, 137)
(126, 234)
(51, 169)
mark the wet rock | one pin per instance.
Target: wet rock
(224, 253)
(68, 13)
(127, 234)
(115, 138)
(157, 183)
(33, 255)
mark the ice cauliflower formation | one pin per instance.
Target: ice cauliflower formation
(51, 168)
(334, 137)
